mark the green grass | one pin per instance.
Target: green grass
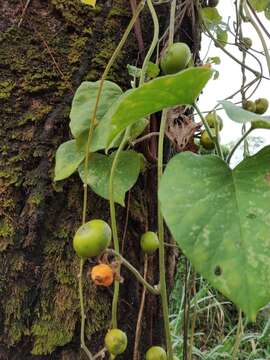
(213, 322)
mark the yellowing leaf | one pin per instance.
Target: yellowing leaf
(89, 2)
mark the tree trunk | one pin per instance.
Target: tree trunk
(47, 49)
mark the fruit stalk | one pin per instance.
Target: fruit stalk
(135, 272)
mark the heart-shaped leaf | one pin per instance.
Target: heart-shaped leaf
(220, 218)
(84, 101)
(238, 114)
(67, 160)
(126, 174)
(155, 95)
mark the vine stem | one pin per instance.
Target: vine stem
(153, 290)
(162, 273)
(115, 160)
(237, 144)
(163, 286)
(256, 73)
(83, 346)
(208, 130)
(114, 224)
(238, 336)
(258, 31)
(104, 75)
(89, 139)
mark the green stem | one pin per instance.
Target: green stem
(83, 346)
(208, 130)
(238, 336)
(194, 317)
(114, 223)
(153, 290)
(258, 31)
(256, 73)
(104, 75)
(237, 144)
(90, 136)
(162, 273)
(123, 142)
(163, 287)
(154, 41)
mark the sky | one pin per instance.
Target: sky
(230, 77)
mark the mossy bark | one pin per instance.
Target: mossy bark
(58, 44)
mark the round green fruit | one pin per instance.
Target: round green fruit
(116, 341)
(92, 238)
(247, 43)
(156, 353)
(176, 58)
(206, 141)
(249, 105)
(261, 105)
(213, 3)
(212, 119)
(149, 242)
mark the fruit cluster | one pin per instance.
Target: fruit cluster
(213, 121)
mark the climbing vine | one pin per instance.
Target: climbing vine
(218, 216)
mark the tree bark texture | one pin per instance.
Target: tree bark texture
(46, 51)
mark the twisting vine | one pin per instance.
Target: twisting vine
(87, 156)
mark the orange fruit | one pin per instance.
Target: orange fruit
(102, 275)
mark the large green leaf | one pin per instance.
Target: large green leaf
(238, 114)
(84, 102)
(163, 92)
(220, 218)
(67, 159)
(126, 174)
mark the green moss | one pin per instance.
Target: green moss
(38, 113)
(6, 88)
(77, 45)
(49, 334)
(6, 229)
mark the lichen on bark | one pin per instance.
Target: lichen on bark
(58, 45)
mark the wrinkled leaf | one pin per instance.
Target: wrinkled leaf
(152, 70)
(222, 36)
(84, 102)
(155, 95)
(211, 16)
(67, 160)
(220, 218)
(126, 174)
(214, 60)
(240, 115)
